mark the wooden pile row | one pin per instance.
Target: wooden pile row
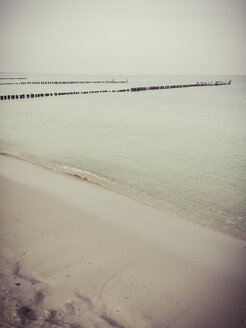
(36, 95)
(63, 82)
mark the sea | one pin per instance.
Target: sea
(182, 151)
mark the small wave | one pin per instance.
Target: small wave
(60, 168)
(87, 176)
(82, 174)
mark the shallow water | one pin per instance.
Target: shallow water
(180, 150)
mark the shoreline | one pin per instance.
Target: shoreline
(78, 255)
(125, 190)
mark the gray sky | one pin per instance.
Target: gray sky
(123, 36)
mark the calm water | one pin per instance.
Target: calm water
(182, 150)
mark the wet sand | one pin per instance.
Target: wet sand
(76, 255)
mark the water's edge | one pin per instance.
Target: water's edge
(123, 189)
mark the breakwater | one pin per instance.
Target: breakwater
(61, 82)
(133, 89)
(13, 78)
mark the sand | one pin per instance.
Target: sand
(76, 255)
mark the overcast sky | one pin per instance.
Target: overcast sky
(123, 36)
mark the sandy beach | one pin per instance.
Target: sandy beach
(76, 255)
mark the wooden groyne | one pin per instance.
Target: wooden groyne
(175, 86)
(63, 82)
(13, 78)
(134, 89)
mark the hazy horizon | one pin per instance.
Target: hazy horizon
(119, 74)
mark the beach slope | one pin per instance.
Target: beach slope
(76, 255)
